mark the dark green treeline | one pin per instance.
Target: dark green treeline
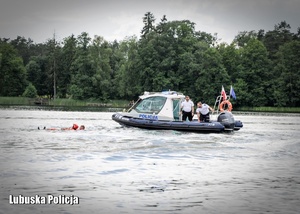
(263, 67)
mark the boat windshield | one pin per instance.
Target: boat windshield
(150, 105)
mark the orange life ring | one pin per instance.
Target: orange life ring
(222, 105)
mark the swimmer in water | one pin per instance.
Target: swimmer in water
(74, 127)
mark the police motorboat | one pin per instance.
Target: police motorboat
(161, 110)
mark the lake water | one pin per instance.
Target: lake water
(111, 169)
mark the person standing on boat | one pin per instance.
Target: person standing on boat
(203, 112)
(187, 108)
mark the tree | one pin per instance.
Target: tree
(83, 68)
(23, 46)
(148, 21)
(160, 28)
(262, 66)
(53, 61)
(255, 71)
(30, 91)
(243, 38)
(67, 59)
(231, 60)
(33, 72)
(38, 76)
(210, 74)
(101, 54)
(126, 77)
(277, 37)
(287, 87)
(12, 71)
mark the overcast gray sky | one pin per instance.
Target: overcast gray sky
(116, 19)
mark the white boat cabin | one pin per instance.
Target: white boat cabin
(157, 106)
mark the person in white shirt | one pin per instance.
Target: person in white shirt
(203, 112)
(187, 108)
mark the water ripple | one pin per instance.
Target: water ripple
(128, 170)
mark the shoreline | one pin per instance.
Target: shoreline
(118, 109)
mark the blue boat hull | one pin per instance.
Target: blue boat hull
(193, 126)
(238, 125)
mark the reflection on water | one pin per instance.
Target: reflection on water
(128, 170)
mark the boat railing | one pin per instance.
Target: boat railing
(217, 104)
(163, 92)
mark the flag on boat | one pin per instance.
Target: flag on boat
(223, 93)
(232, 94)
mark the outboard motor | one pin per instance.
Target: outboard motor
(227, 120)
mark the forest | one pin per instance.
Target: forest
(262, 66)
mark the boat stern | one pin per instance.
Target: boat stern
(227, 120)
